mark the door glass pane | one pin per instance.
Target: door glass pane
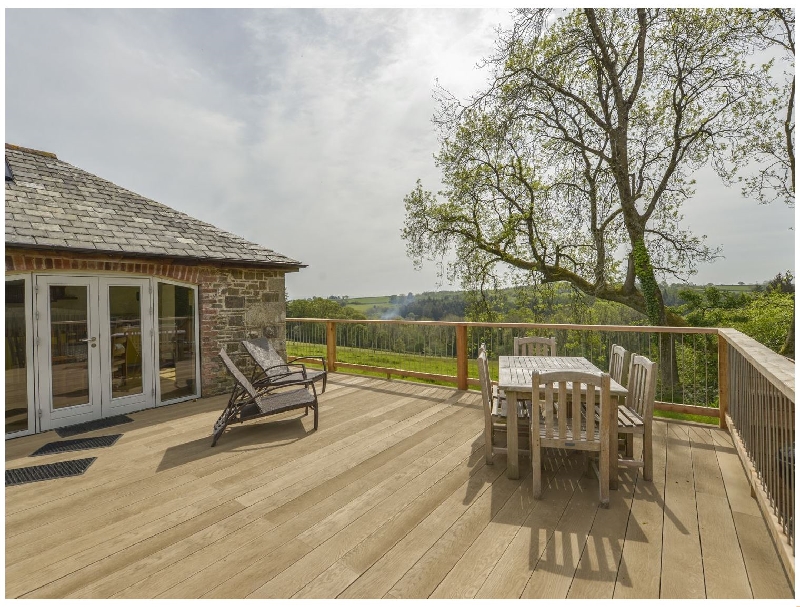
(176, 347)
(69, 345)
(16, 358)
(126, 340)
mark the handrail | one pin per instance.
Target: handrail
(518, 325)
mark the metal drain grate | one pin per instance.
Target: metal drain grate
(97, 424)
(31, 474)
(77, 444)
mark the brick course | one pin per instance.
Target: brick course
(234, 303)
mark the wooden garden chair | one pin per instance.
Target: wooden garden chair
(246, 403)
(552, 426)
(271, 370)
(636, 416)
(494, 413)
(534, 346)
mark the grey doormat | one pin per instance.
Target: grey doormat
(31, 474)
(76, 444)
(97, 424)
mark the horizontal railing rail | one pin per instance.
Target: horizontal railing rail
(757, 407)
(444, 351)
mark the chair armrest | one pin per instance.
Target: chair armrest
(316, 359)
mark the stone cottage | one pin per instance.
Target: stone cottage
(116, 303)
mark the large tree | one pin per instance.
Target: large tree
(573, 164)
(768, 146)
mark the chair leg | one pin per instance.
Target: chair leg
(316, 415)
(647, 451)
(536, 465)
(603, 478)
(324, 383)
(222, 423)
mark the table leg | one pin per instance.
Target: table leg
(613, 447)
(512, 437)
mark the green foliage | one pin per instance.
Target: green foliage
(318, 307)
(765, 316)
(650, 289)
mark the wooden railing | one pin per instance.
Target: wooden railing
(666, 345)
(757, 407)
(723, 374)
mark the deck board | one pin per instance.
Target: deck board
(390, 498)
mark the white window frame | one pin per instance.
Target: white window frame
(29, 357)
(198, 383)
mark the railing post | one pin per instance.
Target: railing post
(331, 342)
(462, 368)
(722, 379)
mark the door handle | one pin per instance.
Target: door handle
(88, 339)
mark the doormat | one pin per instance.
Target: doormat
(97, 424)
(32, 474)
(76, 444)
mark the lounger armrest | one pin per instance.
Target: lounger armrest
(315, 359)
(264, 389)
(287, 372)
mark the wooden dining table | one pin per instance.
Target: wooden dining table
(516, 373)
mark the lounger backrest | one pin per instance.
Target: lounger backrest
(243, 381)
(265, 356)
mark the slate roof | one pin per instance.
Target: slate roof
(52, 204)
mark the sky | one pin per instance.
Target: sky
(298, 129)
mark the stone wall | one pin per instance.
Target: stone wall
(235, 302)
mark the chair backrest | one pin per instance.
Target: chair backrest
(486, 382)
(619, 365)
(534, 346)
(266, 356)
(237, 374)
(550, 391)
(642, 386)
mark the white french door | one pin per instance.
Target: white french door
(95, 348)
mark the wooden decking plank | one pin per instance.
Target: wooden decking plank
(765, 573)
(429, 552)
(52, 511)
(370, 552)
(513, 570)
(114, 554)
(764, 570)
(723, 564)
(639, 574)
(388, 520)
(246, 545)
(466, 576)
(557, 563)
(682, 564)
(596, 573)
(248, 556)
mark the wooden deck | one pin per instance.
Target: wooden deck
(390, 498)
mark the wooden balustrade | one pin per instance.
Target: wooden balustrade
(757, 407)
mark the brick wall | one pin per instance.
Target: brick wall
(235, 303)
